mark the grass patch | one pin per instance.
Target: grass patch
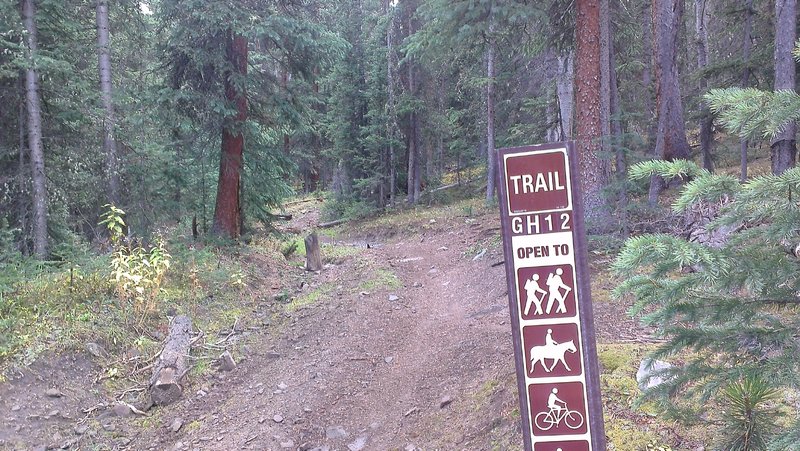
(625, 435)
(310, 298)
(382, 279)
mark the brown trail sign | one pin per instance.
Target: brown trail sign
(550, 303)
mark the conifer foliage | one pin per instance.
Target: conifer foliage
(726, 299)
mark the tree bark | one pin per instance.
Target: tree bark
(747, 46)
(671, 142)
(589, 127)
(34, 108)
(490, 151)
(227, 211)
(565, 83)
(109, 121)
(784, 147)
(706, 119)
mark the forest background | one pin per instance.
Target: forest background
(132, 123)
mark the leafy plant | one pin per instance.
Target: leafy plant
(137, 273)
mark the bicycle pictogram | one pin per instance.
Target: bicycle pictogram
(556, 413)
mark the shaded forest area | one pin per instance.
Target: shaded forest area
(204, 112)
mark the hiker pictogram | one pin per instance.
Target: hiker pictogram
(532, 289)
(546, 292)
(555, 286)
(551, 350)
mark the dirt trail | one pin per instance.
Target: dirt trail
(407, 347)
(391, 368)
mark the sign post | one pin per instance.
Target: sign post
(544, 242)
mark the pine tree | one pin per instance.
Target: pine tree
(725, 299)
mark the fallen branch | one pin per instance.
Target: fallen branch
(325, 225)
(171, 366)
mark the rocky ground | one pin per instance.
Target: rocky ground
(402, 342)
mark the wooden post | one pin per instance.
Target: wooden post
(313, 255)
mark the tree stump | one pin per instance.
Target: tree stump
(313, 255)
(171, 365)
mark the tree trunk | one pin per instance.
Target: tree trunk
(706, 119)
(391, 122)
(647, 76)
(589, 128)
(109, 121)
(171, 366)
(671, 140)
(490, 151)
(565, 83)
(784, 148)
(620, 155)
(227, 211)
(23, 201)
(747, 46)
(35, 133)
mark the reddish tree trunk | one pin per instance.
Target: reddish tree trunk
(588, 105)
(227, 211)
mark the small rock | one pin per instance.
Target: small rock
(443, 248)
(226, 362)
(53, 393)
(335, 432)
(432, 221)
(359, 444)
(445, 401)
(307, 410)
(393, 298)
(646, 375)
(122, 410)
(57, 437)
(282, 386)
(277, 418)
(94, 349)
(416, 285)
(15, 408)
(109, 427)
(288, 444)
(81, 429)
(176, 424)
(124, 441)
(261, 420)
(53, 413)
(388, 359)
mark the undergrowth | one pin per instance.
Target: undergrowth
(81, 297)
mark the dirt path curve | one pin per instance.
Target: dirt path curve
(421, 360)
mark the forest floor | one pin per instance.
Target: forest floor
(402, 342)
